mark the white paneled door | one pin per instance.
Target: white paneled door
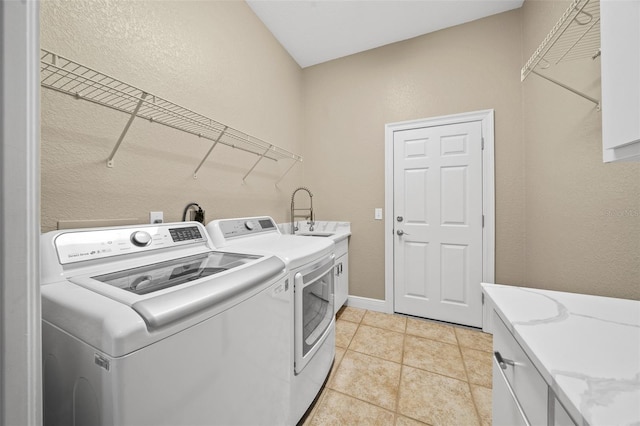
(437, 202)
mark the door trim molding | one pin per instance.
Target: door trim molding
(20, 308)
(486, 117)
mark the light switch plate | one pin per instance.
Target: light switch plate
(377, 215)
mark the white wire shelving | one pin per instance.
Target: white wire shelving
(575, 36)
(82, 82)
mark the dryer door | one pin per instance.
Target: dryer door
(313, 309)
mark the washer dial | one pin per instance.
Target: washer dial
(141, 238)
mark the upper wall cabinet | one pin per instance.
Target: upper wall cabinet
(620, 65)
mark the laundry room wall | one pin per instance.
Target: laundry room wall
(213, 57)
(582, 215)
(348, 101)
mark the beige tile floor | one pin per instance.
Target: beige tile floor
(398, 370)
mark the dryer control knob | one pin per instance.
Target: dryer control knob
(141, 238)
(250, 225)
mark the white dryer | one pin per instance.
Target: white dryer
(310, 263)
(148, 325)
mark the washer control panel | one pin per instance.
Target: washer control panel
(247, 226)
(80, 245)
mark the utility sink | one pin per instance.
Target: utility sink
(315, 234)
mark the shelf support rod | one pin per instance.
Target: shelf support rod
(256, 163)
(295, 161)
(572, 90)
(125, 130)
(195, 173)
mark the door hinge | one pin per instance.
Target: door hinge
(483, 298)
(483, 221)
(482, 143)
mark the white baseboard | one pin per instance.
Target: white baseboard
(367, 303)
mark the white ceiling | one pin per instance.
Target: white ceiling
(321, 30)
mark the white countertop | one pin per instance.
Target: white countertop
(587, 348)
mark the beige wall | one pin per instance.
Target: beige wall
(582, 216)
(564, 220)
(348, 101)
(213, 57)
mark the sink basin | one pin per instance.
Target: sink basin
(315, 234)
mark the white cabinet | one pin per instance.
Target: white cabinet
(620, 66)
(520, 394)
(559, 416)
(341, 273)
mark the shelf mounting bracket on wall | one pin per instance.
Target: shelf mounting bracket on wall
(286, 172)
(575, 36)
(195, 173)
(125, 130)
(256, 163)
(564, 86)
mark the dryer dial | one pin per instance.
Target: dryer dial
(250, 225)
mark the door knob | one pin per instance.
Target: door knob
(400, 232)
(399, 218)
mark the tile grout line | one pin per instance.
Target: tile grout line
(361, 400)
(464, 364)
(396, 411)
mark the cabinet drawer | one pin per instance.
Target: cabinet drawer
(529, 388)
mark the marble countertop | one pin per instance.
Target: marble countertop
(337, 231)
(587, 348)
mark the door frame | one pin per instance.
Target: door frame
(20, 319)
(486, 117)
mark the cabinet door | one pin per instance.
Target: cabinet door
(559, 414)
(341, 281)
(505, 407)
(620, 65)
(530, 389)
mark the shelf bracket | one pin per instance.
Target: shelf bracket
(195, 173)
(572, 90)
(125, 130)
(256, 163)
(295, 161)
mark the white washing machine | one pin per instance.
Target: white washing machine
(148, 325)
(310, 262)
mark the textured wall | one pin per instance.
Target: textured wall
(564, 220)
(582, 216)
(213, 57)
(348, 101)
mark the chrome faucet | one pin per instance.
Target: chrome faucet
(311, 221)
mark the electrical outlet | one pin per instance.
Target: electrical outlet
(377, 213)
(156, 217)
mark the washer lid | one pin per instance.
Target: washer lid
(170, 307)
(165, 292)
(116, 327)
(150, 278)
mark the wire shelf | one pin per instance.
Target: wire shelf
(82, 82)
(575, 36)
